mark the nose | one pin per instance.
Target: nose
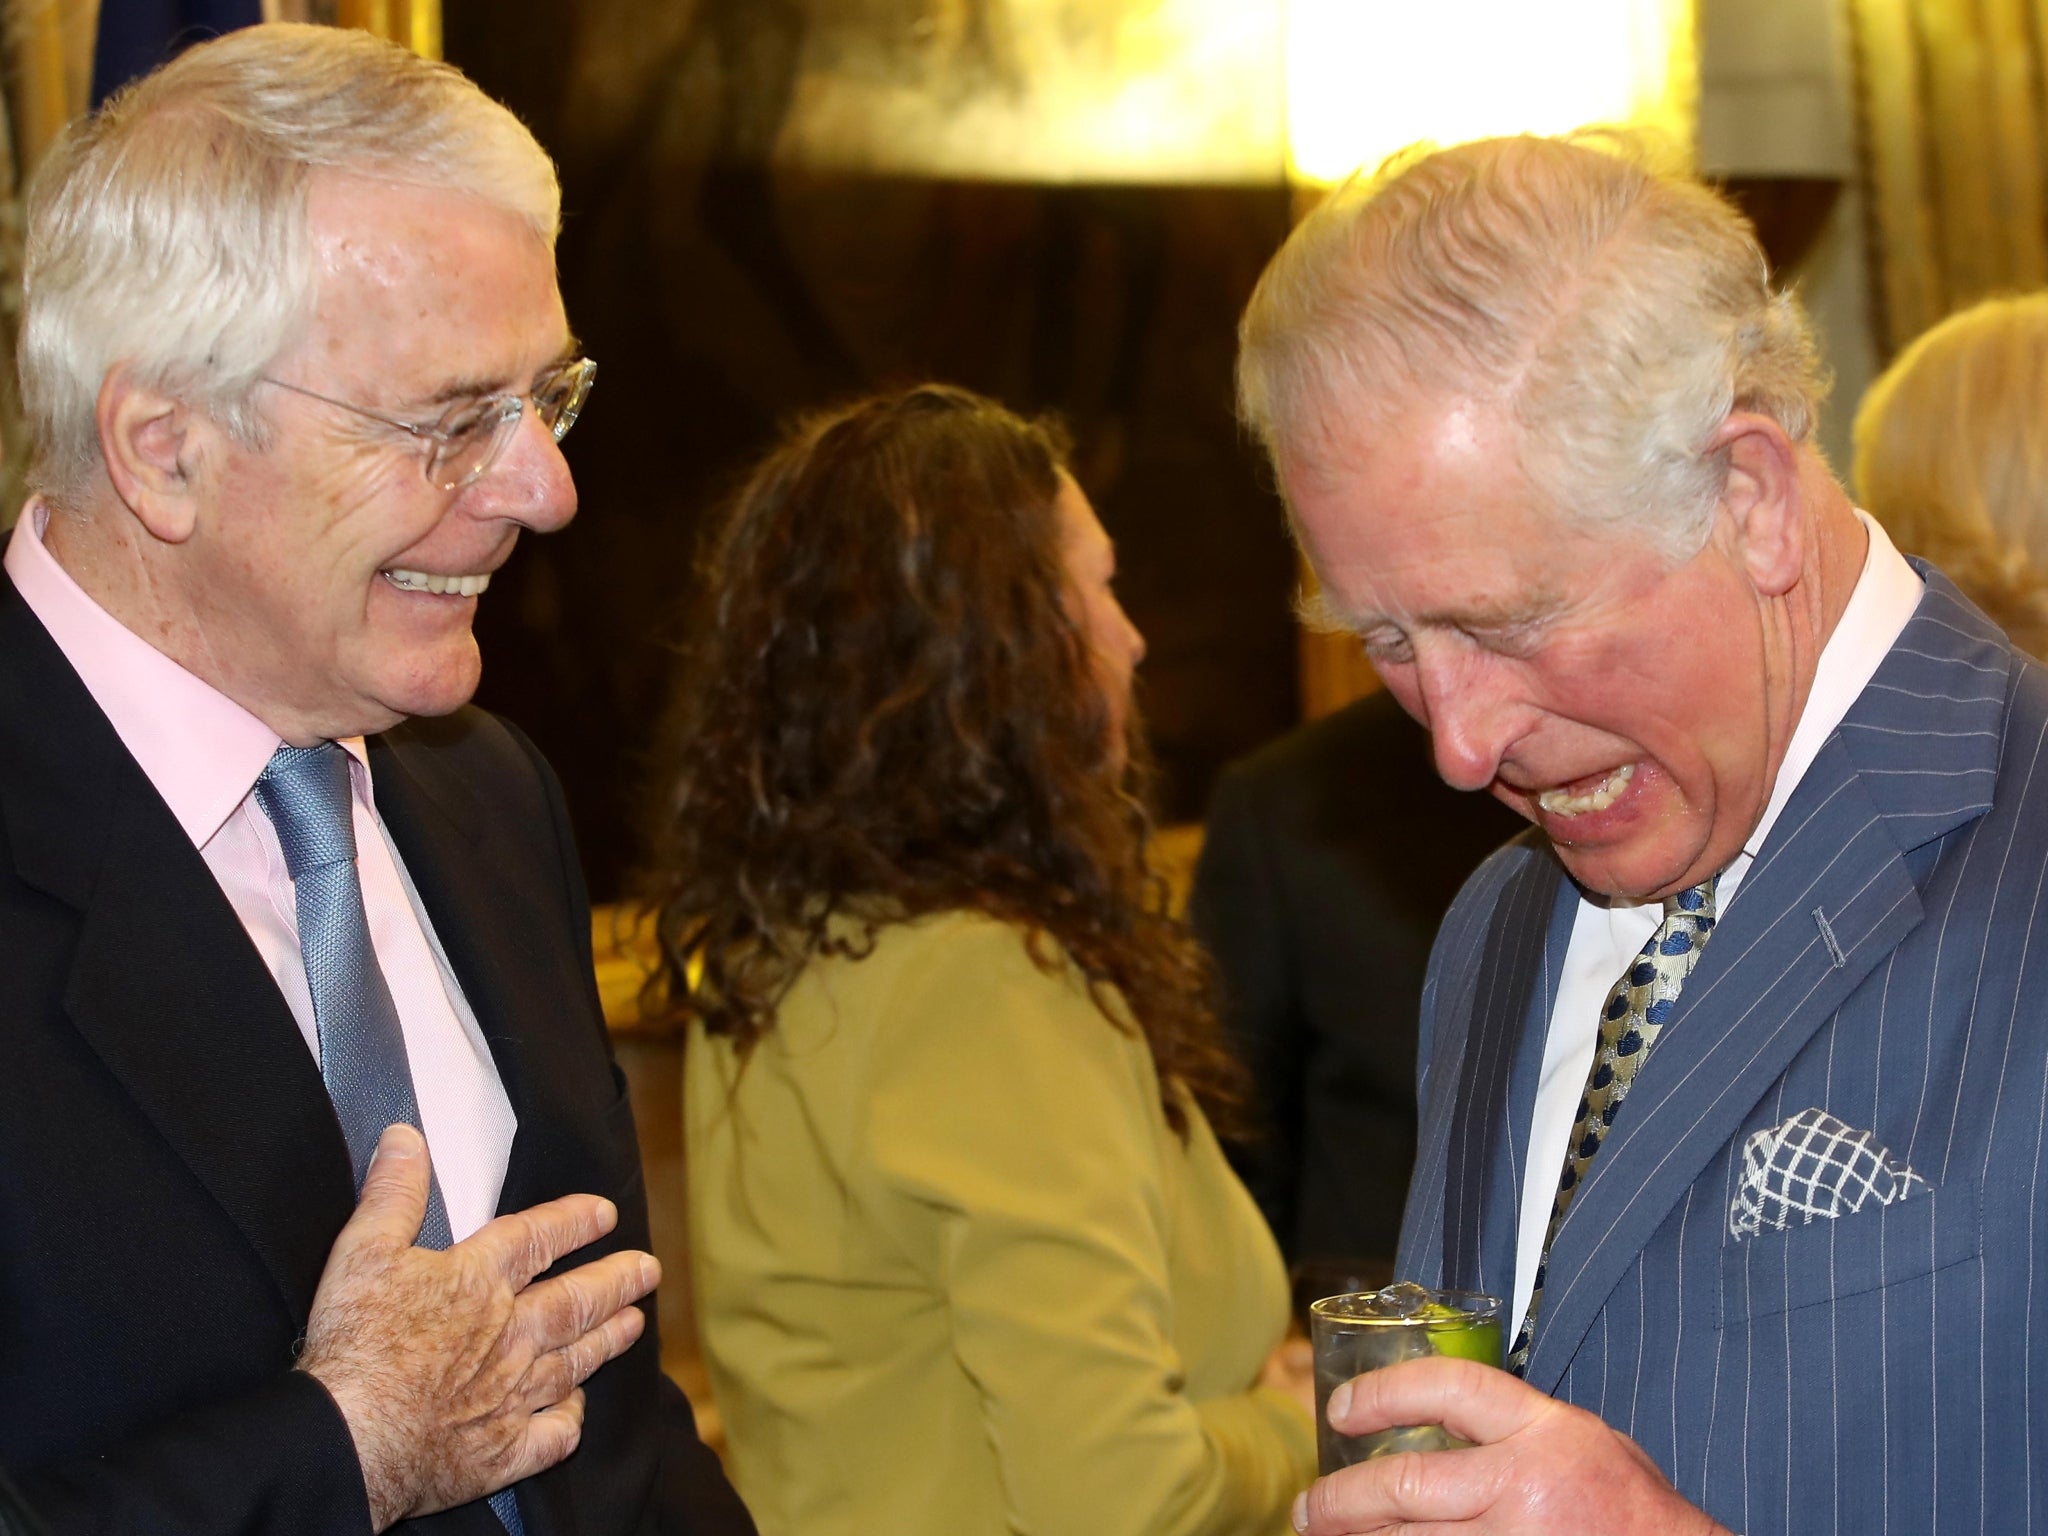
(529, 483)
(1472, 718)
(1134, 639)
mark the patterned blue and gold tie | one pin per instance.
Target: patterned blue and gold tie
(1633, 1017)
(305, 793)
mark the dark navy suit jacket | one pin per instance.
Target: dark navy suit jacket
(171, 1171)
(1885, 960)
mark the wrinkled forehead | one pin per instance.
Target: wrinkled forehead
(392, 229)
(412, 279)
(1379, 456)
(1426, 515)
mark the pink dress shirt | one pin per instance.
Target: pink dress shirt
(203, 752)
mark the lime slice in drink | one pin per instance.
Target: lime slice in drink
(1462, 1339)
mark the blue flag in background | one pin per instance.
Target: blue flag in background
(137, 35)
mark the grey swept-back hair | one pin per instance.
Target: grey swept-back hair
(1620, 311)
(169, 232)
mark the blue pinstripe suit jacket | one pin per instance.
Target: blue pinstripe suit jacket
(1886, 959)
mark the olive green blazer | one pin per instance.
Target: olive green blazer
(956, 1274)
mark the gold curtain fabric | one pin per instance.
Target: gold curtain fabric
(1952, 117)
(46, 75)
(415, 23)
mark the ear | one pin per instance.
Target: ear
(153, 445)
(1764, 499)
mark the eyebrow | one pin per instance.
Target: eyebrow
(1318, 610)
(1531, 609)
(474, 388)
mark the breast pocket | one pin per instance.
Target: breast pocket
(1831, 1260)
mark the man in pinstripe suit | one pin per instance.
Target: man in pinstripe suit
(1545, 433)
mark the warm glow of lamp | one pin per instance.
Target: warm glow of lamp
(1364, 80)
(415, 23)
(1143, 91)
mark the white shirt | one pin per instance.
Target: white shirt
(1606, 937)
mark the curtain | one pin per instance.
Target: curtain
(45, 77)
(415, 23)
(1951, 117)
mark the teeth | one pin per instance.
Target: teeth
(1558, 803)
(443, 586)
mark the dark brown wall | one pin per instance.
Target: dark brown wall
(720, 298)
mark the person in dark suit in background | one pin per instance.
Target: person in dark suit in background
(1328, 859)
(283, 919)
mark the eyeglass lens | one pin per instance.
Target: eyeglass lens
(473, 435)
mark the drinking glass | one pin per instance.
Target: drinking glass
(1365, 1330)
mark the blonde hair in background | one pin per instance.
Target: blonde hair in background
(168, 231)
(1952, 457)
(1621, 310)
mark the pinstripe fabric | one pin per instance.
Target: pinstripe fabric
(1469, 1187)
(1879, 1372)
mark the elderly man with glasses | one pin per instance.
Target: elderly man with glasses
(319, 1197)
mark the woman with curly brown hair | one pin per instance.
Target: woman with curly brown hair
(967, 1256)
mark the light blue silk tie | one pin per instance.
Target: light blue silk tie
(305, 793)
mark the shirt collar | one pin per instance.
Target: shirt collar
(198, 747)
(1886, 593)
(1880, 606)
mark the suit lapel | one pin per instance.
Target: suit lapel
(164, 983)
(182, 1010)
(498, 932)
(1763, 985)
(1514, 991)
(497, 920)
(436, 827)
(1829, 897)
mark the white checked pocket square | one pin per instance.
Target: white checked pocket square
(1814, 1166)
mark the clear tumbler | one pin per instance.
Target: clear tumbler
(1365, 1330)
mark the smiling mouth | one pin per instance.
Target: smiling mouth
(440, 586)
(1558, 802)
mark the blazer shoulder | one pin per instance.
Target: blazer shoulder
(476, 778)
(2027, 706)
(2020, 792)
(962, 971)
(1505, 873)
(476, 766)
(465, 744)
(1511, 896)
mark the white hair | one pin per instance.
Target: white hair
(1620, 312)
(168, 232)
